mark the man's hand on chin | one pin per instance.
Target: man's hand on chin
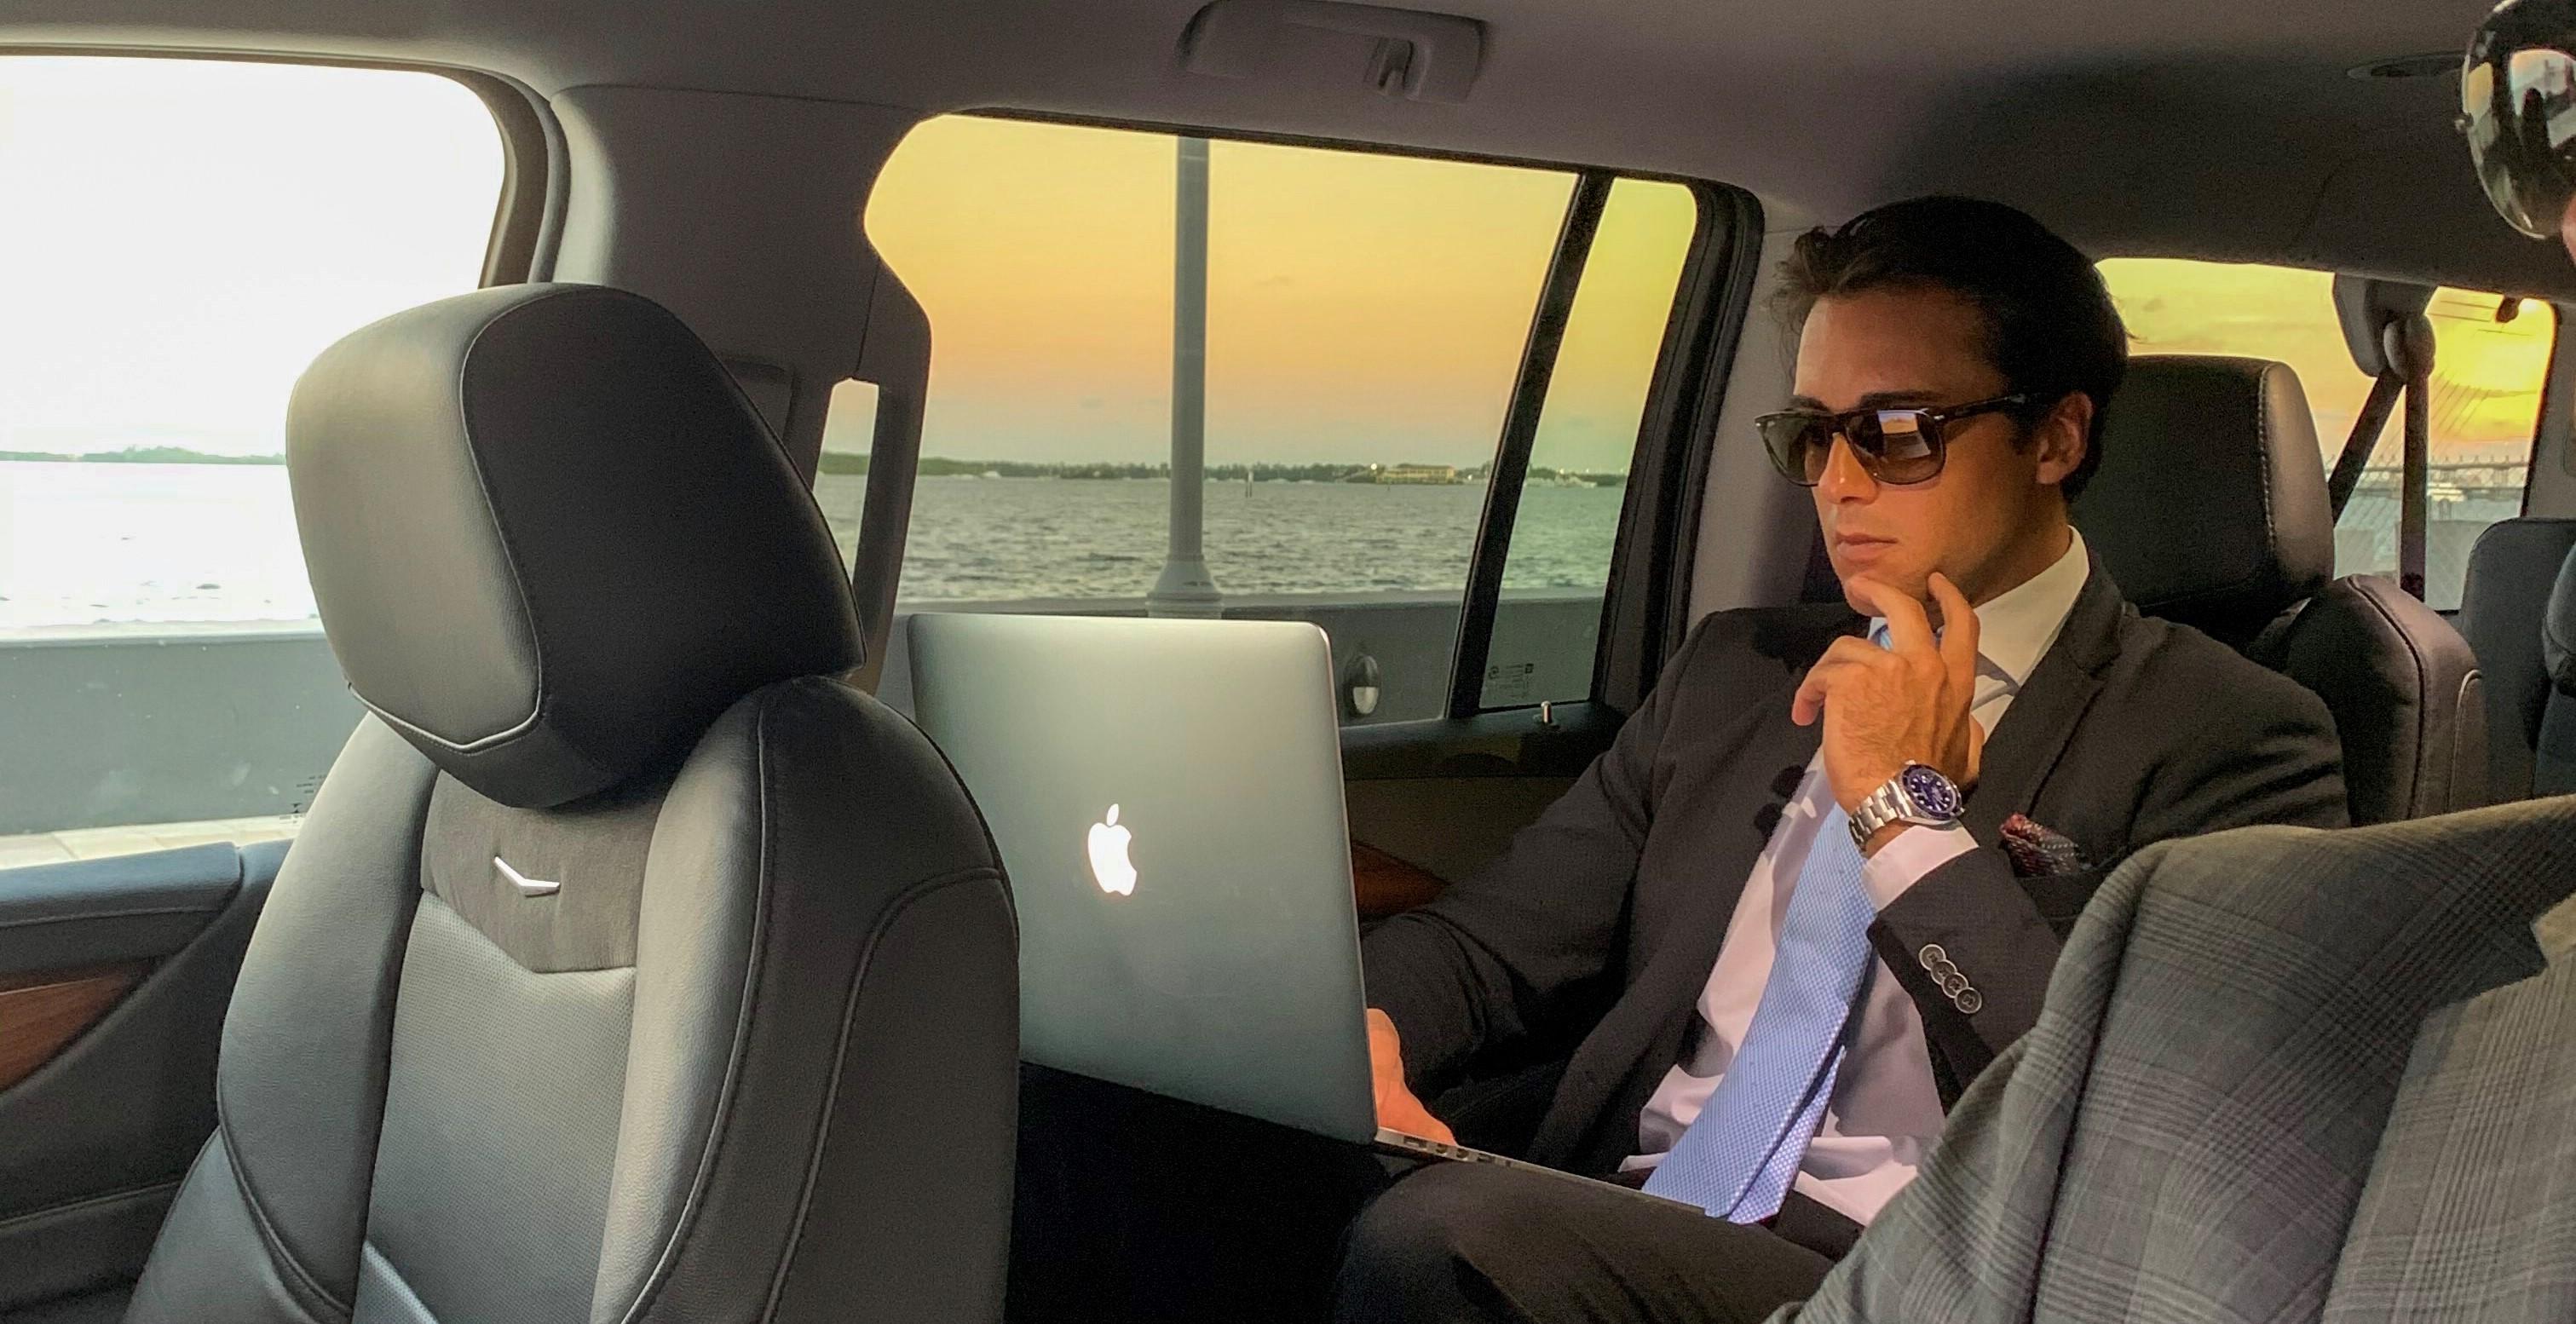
(1907, 703)
(1397, 1109)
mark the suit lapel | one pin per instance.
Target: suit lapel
(1759, 781)
(1618, 1064)
(2025, 745)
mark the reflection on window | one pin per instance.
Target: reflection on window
(1366, 316)
(2491, 359)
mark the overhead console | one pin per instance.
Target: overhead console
(1400, 53)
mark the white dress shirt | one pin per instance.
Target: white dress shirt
(1885, 1110)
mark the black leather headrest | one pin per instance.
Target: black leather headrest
(550, 540)
(2558, 630)
(2210, 506)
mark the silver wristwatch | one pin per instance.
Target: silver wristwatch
(1916, 794)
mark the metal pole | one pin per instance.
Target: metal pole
(1185, 588)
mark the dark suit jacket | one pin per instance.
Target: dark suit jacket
(1598, 927)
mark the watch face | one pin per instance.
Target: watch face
(1931, 792)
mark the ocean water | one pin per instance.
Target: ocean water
(988, 538)
(86, 544)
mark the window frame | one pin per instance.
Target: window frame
(1648, 588)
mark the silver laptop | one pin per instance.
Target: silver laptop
(1167, 796)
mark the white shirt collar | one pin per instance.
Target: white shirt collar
(2016, 629)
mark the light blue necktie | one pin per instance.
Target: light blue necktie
(1738, 1158)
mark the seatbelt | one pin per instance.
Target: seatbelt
(2384, 394)
(2408, 343)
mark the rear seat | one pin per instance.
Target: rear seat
(2210, 509)
(2519, 589)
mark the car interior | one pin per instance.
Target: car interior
(644, 371)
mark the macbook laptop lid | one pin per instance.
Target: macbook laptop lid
(1167, 797)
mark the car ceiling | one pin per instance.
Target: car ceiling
(2216, 128)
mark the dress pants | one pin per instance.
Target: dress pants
(1465, 1243)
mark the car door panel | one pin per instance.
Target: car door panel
(57, 917)
(1446, 796)
(95, 1138)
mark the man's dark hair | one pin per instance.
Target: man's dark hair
(2051, 328)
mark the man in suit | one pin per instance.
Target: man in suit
(1820, 879)
(2292, 1075)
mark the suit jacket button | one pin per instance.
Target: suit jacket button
(1969, 1001)
(1953, 984)
(1932, 956)
(1946, 972)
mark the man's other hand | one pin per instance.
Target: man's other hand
(1397, 1109)
(1906, 703)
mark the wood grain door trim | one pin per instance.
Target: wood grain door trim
(1384, 885)
(41, 1014)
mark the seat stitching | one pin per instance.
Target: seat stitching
(667, 1261)
(840, 1057)
(2263, 465)
(2415, 790)
(100, 1200)
(501, 535)
(270, 1239)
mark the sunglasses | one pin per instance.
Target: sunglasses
(2518, 111)
(1897, 446)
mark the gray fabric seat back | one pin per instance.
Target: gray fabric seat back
(629, 966)
(2514, 571)
(2210, 508)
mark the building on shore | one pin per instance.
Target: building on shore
(1422, 475)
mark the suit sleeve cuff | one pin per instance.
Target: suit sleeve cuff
(1910, 856)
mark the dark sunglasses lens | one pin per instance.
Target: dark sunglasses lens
(2520, 117)
(1799, 445)
(1897, 445)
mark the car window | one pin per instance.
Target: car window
(1366, 318)
(181, 238)
(2491, 359)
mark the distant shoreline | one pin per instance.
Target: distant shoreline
(855, 464)
(136, 455)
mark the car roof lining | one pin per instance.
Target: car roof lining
(2098, 117)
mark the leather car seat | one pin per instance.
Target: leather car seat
(629, 966)
(2516, 570)
(2210, 509)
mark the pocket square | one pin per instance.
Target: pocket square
(2039, 852)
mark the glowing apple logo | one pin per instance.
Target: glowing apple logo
(1110, 866)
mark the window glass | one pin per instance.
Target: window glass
(2487, 379)
(1549, 619)
(841, 474)
(182, 237)
(1366, 317)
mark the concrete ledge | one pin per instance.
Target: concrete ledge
(105, 843)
